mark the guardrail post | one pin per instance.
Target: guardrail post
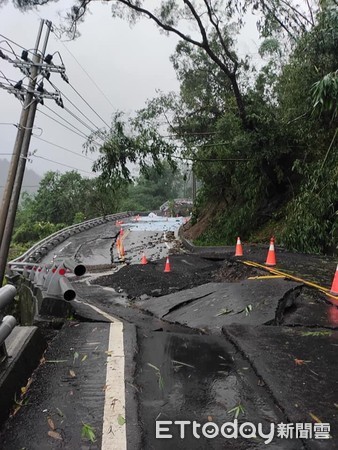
(7, 323)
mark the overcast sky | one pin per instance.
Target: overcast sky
(127, 64)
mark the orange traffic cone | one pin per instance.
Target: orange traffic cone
(334, 287)
(239, 248)
(144, 259)
(271, 258)
(167, 265)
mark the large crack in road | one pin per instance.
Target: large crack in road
(202, 343)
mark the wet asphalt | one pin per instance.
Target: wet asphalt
(256, 350)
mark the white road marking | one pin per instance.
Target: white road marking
(65, 246)
(103, 313)
(114, 435)
(114, 428)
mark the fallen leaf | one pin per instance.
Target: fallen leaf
(76, 355)
(315, 418)
(60, 412)
(237, 410)
(210, 418)
(316, 333)
(121, 420)
(300, 362)
(51, 423)
(55, 435)
(72, 373)
(224, 311)
(183, 363)
(56, 360)
(88, 432)
(84, 358)
(153, 367)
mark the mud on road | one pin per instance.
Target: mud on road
(187, 271)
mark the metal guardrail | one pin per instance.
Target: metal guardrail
(50, 279)
(42, 247)
(7, 323)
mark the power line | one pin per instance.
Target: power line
(81, 134)
(64, 165)
(84, 70)
(13, 42)
(98, 115)
(78, 109)
(80, 120)
(62, 118)
(197, 159)
(64, 148)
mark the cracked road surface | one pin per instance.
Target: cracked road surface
(212, 341)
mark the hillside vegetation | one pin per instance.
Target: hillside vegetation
(259, 130)
(262, 142)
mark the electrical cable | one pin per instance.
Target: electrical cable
(64, 165)
(60, 123)
(78, 109)
(15, 43)
(98, 115)
(64, 148)
(11, 51)
(65, 120)
(80, 120)
(84, 70)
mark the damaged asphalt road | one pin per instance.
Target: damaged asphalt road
(272, 371)
(211, 341)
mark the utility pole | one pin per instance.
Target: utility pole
(18, 163)
(7, 194)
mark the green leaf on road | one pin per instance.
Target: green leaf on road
(121, 420)
(76, 355)
(236, 411)
(224, 311)
(316, 333)
(88, 432)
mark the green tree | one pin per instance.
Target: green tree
(153, 188)
(64, 199)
